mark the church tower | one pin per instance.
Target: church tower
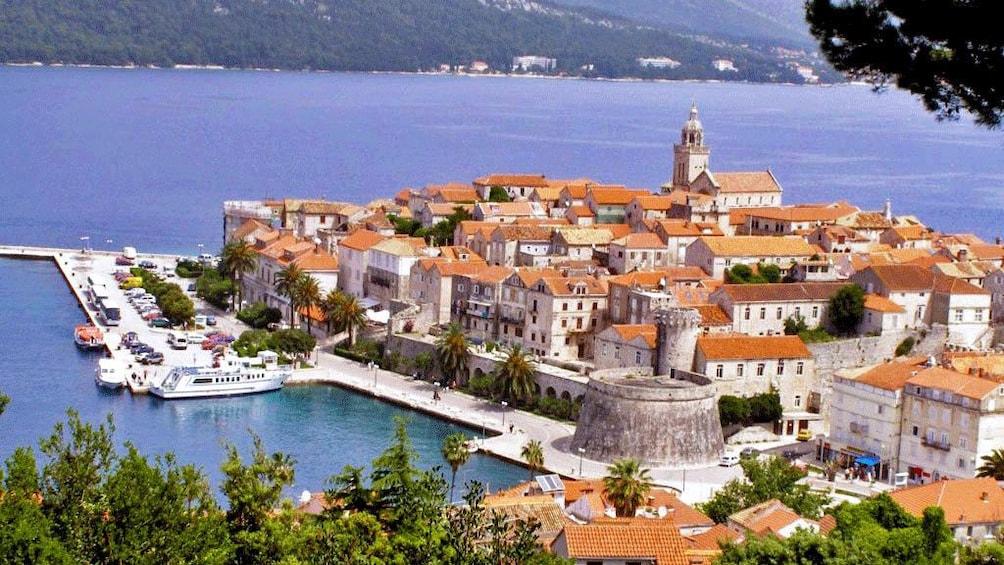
(690, 156)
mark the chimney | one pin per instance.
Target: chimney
(985, 496)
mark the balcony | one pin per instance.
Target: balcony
(514, 317)
(942, 445)
(859, 428)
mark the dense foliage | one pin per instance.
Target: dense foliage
(260, 315)
(764, 479)
(214, 289)
(847, 308)
(744, 274)
(292, 343)
(173, 302)
(949, 52)
(355, 35)
(91, 503)
(760, 408)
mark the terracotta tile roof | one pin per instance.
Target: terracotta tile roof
(565, 286)
(493, 274)
(950, 285)
(651, 279)
(756, 181)
(713, 538)
(882, 304)
(629, 332)
(520, 232)
(759, 246)
(908, 233)
(655, 202)
(908, 255)
(616, 195)
(522, 208)
(576, 191)
(989, 366)
(247, 228)
(695, 296)
(867, 220)
(511, 180)
(954, 382)
(765, 518)
(640, 241)
(546, 193)
(400, 246)
(581, 211)
(555, 222)
(451, 267)
(712, 315)
(782, 292)
(321, 207)
(576, 488)
(803, 212)
(267, 238)
(362, 240)
(403, 195)
(585, 236)
(892, 375)
(904, 277)
(965, 501)
(827, 524)
(659, 540)
(528, 276)
(317, 260)
(929, 261)
(734, 347)
(446, 208)
(961, 270)
(437, 189)
(986, 252)
(542, 508)
(684, 228)
(616, 230)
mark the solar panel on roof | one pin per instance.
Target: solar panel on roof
(550, 483)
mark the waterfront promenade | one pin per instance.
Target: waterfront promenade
(489, 422)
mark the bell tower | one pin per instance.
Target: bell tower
(690, 156)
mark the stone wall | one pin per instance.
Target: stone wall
(663, 421)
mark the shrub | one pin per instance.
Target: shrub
(816, 335)
(188, 269)
(905, 347)
(258, 315)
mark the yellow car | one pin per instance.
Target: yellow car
(131, 282)
(804, 435)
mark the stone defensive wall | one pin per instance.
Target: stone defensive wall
(666, 421)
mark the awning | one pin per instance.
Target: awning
(867, 461)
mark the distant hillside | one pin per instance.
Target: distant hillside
(762, 21)
(360, 35)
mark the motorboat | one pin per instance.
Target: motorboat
(110, 373)
(230, 375)
(87, 336)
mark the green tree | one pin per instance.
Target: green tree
(424, 362)
(498, 194)
(253, 491)
(739, 274)
(947, 53)
(764, 480)
(452, 351)
(292, 342)
(344, 312)
(847, 308)
(26, 533)
(287, 281)
(733, 410)
(176, 306)
(455, 453)
(770, 273)
(514, 375)
(992, 465)
(626, 485)
(306, 294)
(794, 325)
(4, 401)
(765, 407)
(532, 454)
(236, 259)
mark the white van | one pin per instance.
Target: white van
(177, 340)
(729, 460)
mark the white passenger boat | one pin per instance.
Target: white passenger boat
(110, 373)
(229, 376)
(87, 336)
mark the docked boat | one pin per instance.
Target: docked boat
(230, 375)
(87, 336)
(111, 373)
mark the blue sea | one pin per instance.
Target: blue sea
(146, 157)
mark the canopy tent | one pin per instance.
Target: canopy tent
(867, 460)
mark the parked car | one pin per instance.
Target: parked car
(196, 337)
(729, 459)
(152, 358)
(134, 346)
(129, 338)
(210, 320)
(122, 260)
(160, 323)
(147, 264)
(749, 453)
(142, 350)
(191, 287)
(152, 315)
(804, 435)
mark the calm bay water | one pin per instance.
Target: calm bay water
(146, 157)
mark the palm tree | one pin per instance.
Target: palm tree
(993, 465)
(514, 375)
(344, 312)
(286, 282)
(456, 454)
(306, 294)
(451, 349)
(626, 486)
(236, 259)
(533, 454)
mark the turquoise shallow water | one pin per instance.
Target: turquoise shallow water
(323, 427)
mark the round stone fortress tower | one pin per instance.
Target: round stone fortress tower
(666, 420)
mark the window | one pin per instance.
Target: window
(740, 369)
(617, 352)
(963, 442)
(798, 401)
(815, 311)
(763, 313)
(637, 357)
(958, 315)
(578, 323)
(719, 371)
(564, 323)
(460, 287)
(746, 313)
(979, 315)
(779, 310)
(564, 307)
(596, 305)
(760, 368)
(580, 305)
(533, 336)
(916, 431)
(476, 289)
(799, 367)
(780, 367)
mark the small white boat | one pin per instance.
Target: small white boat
(229, 376)
(87, 336)
(110, 373)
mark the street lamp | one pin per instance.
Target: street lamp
(200, 250)
(582, 450)
(84, 242)
(504, 404)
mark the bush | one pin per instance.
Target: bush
(258, 315)
(733, 410)
(759, 408)
(214, 289)
(905, 347)
(188, 269)
(816, 335)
